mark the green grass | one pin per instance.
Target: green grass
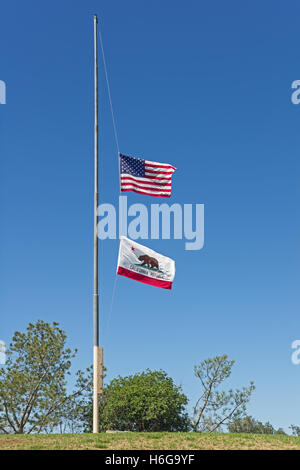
(151, 441)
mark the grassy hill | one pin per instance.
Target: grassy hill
(151, 441)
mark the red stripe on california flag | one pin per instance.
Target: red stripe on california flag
(144, 192)
(146, 279)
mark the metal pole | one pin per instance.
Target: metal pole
(96, 295)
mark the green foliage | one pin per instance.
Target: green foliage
(33, 396)
(215, 408)
(149, 401)
(247, 424)
(295, 430)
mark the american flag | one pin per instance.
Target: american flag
(145, 177)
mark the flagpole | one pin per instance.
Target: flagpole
(97, 372)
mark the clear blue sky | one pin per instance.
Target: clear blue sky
(205, 86)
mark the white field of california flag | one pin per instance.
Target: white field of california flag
(142, 264)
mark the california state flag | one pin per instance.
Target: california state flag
(145, 265)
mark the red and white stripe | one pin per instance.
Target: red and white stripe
(157, 181)
(145, 279)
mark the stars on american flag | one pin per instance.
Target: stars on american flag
(132, 166)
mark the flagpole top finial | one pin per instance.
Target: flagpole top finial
(96, 17)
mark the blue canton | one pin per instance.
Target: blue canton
(132, 166)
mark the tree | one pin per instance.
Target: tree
(33, 395)
(215, 408)
(247, 424)
(149, 401)
(295, 430)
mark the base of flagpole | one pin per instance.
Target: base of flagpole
(96, 375)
